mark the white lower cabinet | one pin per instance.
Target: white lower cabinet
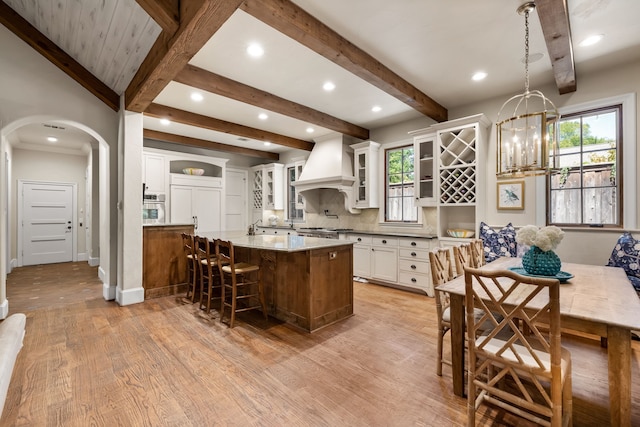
(384, 259)
(394, 260)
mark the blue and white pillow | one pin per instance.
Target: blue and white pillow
(626, 254)
(498, 243)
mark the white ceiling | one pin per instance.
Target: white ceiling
(435, 45)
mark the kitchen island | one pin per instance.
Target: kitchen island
(308, 281)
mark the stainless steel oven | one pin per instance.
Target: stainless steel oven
(153, 208)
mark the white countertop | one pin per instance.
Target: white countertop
(276, 243)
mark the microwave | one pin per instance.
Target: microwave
(153, 209)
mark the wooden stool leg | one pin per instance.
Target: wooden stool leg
(261, 295)
(234, 297)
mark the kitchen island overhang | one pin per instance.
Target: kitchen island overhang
(308, 281)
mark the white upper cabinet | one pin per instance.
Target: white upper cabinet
(365, 169)
(154, 173)
(268, 186)
(426, 166)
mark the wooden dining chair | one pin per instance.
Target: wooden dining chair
(210, 283)
(188, 245)
(242, 287)
(441, 272)
(462, 258)
(477, 253)
(526, 374)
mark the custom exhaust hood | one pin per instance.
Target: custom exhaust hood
(329, 167)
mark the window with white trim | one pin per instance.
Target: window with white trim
(585, 187)
(400, 201)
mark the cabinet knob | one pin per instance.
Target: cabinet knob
(384, 242)
(413, 254)
(413, 267)
(359, 239)
(413, 243)
(413, 279)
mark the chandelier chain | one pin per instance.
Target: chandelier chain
(526, 51)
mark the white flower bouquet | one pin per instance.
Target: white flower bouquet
(546, 238)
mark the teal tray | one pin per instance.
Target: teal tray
(562, 276)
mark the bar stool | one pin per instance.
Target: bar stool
(188, 244)
(209, 274)
(242, 288)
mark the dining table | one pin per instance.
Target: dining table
(594, 299)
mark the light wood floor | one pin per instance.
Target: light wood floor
(88, 362)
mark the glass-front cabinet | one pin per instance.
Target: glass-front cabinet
(426, 163)
(365, 169)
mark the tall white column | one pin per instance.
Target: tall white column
(130, 290)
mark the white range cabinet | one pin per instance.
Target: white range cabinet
(393, 260)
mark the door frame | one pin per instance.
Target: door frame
(74, 210)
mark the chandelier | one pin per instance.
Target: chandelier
(527, 139)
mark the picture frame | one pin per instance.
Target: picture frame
(510, 195)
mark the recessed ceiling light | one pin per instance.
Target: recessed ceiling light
(196, 96)
(267, 143)
(165, 122)
(591, 40)
(328, 86)
(255, 50)
(376, 108)
(480, 75)
(263, 116)
(310, 129)
(52, 139)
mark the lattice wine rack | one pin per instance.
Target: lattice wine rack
(458, 166)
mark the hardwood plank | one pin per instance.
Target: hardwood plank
(199, 20)
(220, 85)
(554, 20)
(193, 119)
(87, 361)
(294, 22)
(210, 145)
(58, 57)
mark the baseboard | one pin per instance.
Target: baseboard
(4, 309)
(94, 261)
(108, 292)
(101, 274)
(82, 256)
(130, 296)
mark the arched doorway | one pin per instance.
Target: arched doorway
(103, 191)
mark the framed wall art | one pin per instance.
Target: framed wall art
(511, 195)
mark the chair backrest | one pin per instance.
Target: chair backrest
(441, 272)
(505, 299)
(225, 255)
(462, 257)
(203, 252)
(477, 253)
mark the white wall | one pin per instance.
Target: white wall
(579, 245)
(53, 167)
(32, 86)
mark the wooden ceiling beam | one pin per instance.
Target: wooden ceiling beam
(210, 145)
(294, 22)
(166, 13)
(220, 85)
(199, 21)
(554, 20)
(58, 57)
(193, 119)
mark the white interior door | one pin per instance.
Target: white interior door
(47, 223)
(236, 197)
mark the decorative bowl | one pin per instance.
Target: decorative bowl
(193, 171)
(460, 233)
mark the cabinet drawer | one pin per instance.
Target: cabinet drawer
(359, 238)
(413, 265)
(384, 241)
(415, 243)
(420, 281)
(417, 254)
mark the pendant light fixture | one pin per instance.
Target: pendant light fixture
(527, 139)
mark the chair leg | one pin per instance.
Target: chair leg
(234, 297)
(439, 350)
(261, 294)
